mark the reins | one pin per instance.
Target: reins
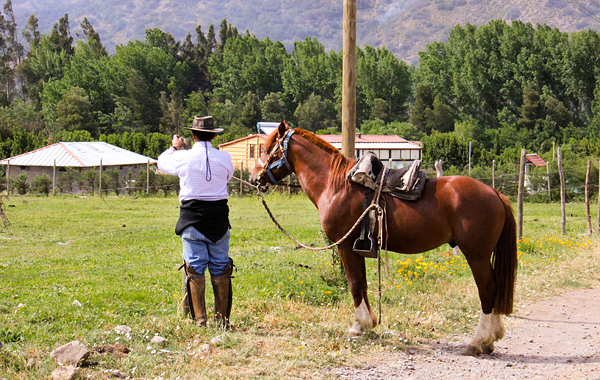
(380, 218)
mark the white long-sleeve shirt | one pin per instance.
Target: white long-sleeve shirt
(190, 166)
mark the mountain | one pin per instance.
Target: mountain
(403, 26)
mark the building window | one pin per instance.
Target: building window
(260, 150)
(405, 154)
(251, 150)
(415, 154)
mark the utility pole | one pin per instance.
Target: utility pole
(349, 80)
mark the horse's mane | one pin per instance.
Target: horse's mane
(339, 163)
(322, 144)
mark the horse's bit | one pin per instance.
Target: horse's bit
(282, 145)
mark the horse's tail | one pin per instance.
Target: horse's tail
(505, 261)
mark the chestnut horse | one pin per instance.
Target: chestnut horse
(455, 210)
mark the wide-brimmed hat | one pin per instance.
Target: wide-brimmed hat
(204, 124)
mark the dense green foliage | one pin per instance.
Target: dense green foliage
(499, 87)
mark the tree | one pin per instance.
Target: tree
(273, 109)
(423, 101)
(173, 113)
(60, 36)
(42, 65)
(251, 113)
(380, 75)
(20, 184)
(439, 117)
(41, 184)
(162, 40)
(66, 179)
(31, 32)
(532, 109)
(446, 147)
(247, 64)
(310, 71)
(379, 109)
(93, 39)
(73, 110)
(312, 114)
(195, 106)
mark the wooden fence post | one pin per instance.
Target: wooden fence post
(520, 196)
(562, 191)
(469, 158)
(438, 168)
(100, 180)
(587, 199)
(242, 177)
(548, 176)
(148, 177)
(494, 174)
(54, 178)
(8, 180)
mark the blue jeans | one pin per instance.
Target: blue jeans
(200, 252)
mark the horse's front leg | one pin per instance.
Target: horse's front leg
(354, 265)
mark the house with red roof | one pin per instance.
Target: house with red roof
(394, 151)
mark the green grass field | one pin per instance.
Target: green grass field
(118, 257)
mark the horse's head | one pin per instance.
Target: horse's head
(273, 165)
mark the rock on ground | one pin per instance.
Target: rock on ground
(73, 353)
(65, 373)
(158, 340)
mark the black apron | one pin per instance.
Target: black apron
(211, 218)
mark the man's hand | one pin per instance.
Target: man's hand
(177, 141)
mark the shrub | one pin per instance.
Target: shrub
(20, 184)
(168, 183)
(111, 182)
(142, 178)
(129, 183)
(88, 181)
(41, 184)
(66, 179)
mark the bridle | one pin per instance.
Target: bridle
(281, 146)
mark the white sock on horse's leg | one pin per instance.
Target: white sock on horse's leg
(362, 320)
(489, 330)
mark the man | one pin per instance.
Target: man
(204, 217)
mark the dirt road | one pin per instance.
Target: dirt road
(555, 339)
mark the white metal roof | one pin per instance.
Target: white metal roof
(78, 154)
(267, 127)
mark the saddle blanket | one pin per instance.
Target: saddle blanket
(405, 183)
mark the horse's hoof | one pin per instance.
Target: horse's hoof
(472, 351)
(488, 349)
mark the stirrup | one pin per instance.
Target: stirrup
(366, 247)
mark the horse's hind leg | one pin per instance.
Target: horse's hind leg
(490, 328)
(354, 265)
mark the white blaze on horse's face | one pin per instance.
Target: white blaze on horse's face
(362, 320)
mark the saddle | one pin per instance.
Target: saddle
(405, 183)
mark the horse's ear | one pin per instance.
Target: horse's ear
(282, 128)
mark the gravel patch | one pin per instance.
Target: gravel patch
(554, 339)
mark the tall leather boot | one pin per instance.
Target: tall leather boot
(223, 295)
(195, 290)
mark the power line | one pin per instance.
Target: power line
(585, 9)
